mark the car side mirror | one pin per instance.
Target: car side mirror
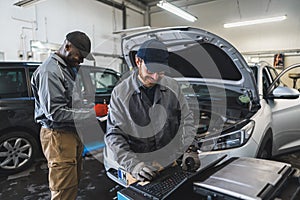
(281, 92)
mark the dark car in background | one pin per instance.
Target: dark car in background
(19, 134)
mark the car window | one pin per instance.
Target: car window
(103, 81)
(31, 70)
(266, 80)
(254, 70)
(13, 83)
(273, 73)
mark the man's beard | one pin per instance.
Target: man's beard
(73, 63)
(148, 80)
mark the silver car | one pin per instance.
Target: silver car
(237, 109)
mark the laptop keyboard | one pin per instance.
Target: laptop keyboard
(162, 186)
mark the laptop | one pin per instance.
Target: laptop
(168, 181)
(245, 178)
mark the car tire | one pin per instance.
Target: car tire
(17, 151)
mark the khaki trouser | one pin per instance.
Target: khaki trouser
(63, 151)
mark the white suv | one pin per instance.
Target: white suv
(234, 114)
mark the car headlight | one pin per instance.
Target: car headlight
(229, 139)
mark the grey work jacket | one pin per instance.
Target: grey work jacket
(58, 104)
(138, 130)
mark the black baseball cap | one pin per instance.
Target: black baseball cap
(82, 42)
(155, 55)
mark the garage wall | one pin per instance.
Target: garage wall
(55, 18)
(283, 35)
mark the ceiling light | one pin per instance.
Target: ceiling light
(24, 3)
(257, 21)
(177, 11)
(141, 28)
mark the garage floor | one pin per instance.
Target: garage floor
(32, 184)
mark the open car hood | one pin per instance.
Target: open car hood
(199, 54)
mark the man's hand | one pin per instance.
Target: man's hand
(190, 160)
(143, 172)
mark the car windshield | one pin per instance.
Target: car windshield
(254, 69)
(268, 76)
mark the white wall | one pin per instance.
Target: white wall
(55, 18)
(265, 37)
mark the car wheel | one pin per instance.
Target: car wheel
(17, 151)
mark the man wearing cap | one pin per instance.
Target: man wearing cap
(149, 124)
(52, 85)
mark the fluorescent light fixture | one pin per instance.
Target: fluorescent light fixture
(175, 10)
(25, 3)
(141, 28)
(257, 21)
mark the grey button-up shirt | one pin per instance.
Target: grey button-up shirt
(141, 130)
(58, 103)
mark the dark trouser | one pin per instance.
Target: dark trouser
(63, 151)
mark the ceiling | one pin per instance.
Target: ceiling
(145, 4)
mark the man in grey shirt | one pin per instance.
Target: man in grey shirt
(149, 123)
(57, 108)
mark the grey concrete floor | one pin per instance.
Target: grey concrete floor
(32, 183)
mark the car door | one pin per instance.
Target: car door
(285, 115)
(16, 106)
(19, 134)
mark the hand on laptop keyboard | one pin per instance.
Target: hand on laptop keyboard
(143, 172)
